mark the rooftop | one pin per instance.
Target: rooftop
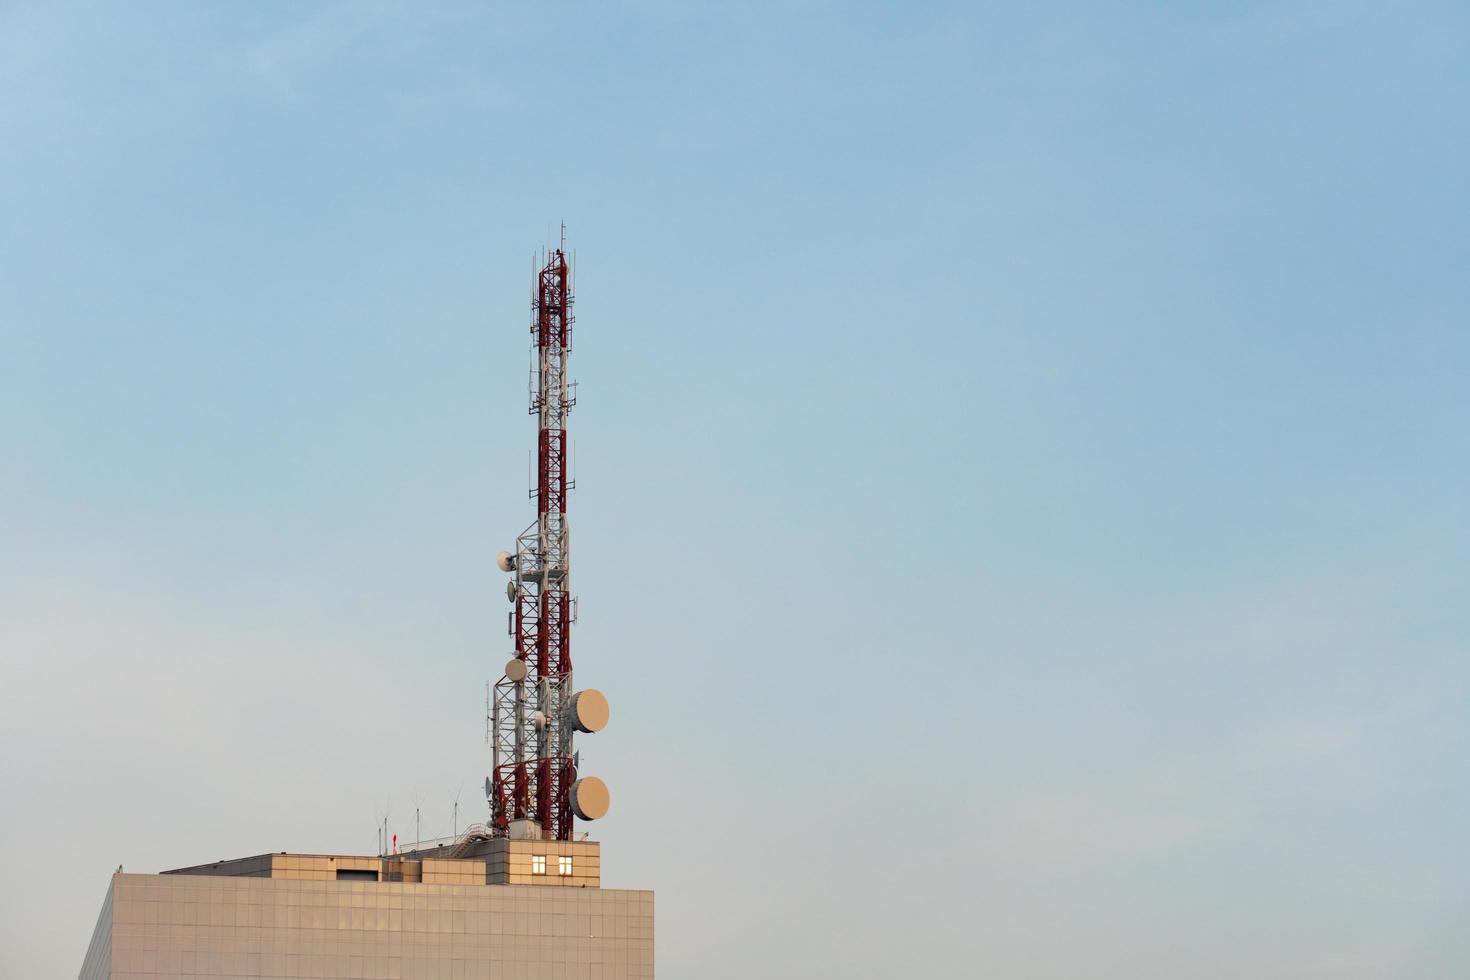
(491, 861)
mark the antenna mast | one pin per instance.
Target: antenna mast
(534, 789)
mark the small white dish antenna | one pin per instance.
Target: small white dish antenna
(506, 561)
(515, 670)
(510, 591)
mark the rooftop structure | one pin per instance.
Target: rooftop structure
(493, 861)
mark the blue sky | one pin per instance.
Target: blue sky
(1021, 451)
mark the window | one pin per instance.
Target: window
(538, 864)
(355, 874)
(563, 865)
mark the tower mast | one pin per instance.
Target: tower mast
(533, 787)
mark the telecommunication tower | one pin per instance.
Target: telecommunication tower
(534, 789)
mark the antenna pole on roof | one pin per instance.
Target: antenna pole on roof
(535, 703)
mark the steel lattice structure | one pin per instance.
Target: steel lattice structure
(532, 722)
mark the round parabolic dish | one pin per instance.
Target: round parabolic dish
(589, 710)
(590, 798)
(515, 670)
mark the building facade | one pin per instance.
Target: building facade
(510, 909)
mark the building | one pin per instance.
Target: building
(521, 897)
(498, 908)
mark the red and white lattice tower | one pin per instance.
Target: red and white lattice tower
(534, 789)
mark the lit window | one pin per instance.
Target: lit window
(564, 865)
(538, 864)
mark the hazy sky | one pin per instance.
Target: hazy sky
(1022, 454)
